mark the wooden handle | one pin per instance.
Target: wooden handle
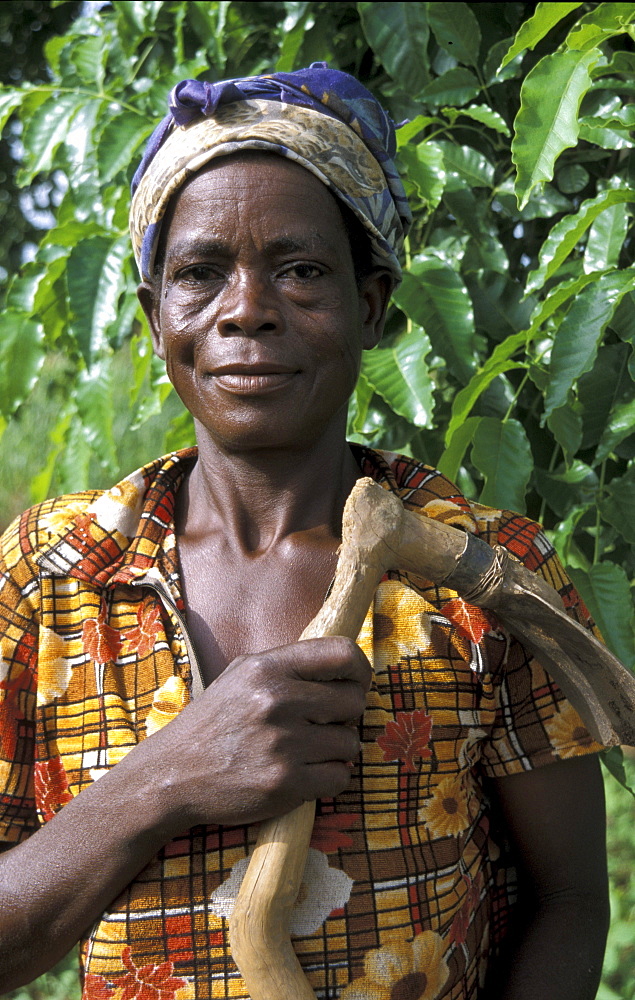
(378, 535)
(375, 533)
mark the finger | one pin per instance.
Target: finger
(333, 657)
(334, 701)
(325, 780)
(325, 744)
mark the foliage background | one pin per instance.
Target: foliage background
(508, 359)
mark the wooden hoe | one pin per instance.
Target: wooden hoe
(379, 535)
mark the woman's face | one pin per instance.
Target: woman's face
(258, 314)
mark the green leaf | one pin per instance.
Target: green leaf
(80, 153)
(606, 237)
(623, 321)
(543, 203)
(576, 473)
(358, 406)
(606, 20)
(40, 485)
(410, 130)
(425, 169)
(457, 444)
(397, 370)
(580, 332)
(45, 131)
(606, 591)
(398, 35)
(434, 296)
(497, 364)
(499, 308)
(557, 297)
(545, 17)
(604, 137)
(21, 357)
(613, 761)
(567, 233)
(618, 506)
(572, 177)
(300, 18)
(180, 433)
(150, 401)
(87, 56)
(21, 293)
(95, 281)
(620, 426)
(601, 390)
(94, 399)
(9, 101)
(68, 234)
(470, 213)
(118, 142)
(456, 86)
(564, 499)
(457, 30)
(493, 72)
(565, 424)
(479, 113)
(547, 121)
(620, 118)
(562, 537)
(502, 454)
(468, 163)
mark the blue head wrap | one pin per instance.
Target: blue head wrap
(322, 118)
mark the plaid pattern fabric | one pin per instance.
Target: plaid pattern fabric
(409, 882)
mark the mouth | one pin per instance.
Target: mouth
(252, 377)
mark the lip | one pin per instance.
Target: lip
(253, 368)
(252, 378)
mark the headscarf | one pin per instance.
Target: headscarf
(321, 118)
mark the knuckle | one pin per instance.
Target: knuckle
(265, 703)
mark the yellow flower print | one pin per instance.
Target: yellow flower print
(445, 814)
(450, 513)
(54, 670)
(401, 624)
(402, 970)
(568, 734)
(166, 704)
(59, 520)
(125, 493)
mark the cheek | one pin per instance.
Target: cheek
(185, 328)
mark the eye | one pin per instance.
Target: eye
(304, 271)
(198, 274)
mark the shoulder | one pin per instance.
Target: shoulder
(77, 520)
(34, 530)
(427, 491)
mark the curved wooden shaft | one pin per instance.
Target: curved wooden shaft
(372, 527)
(378, 535)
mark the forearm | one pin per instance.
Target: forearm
(557, 953)
(55, 884)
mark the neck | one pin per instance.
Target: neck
(258, 498)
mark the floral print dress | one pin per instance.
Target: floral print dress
(409, 886)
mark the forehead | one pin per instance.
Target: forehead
(263, 195)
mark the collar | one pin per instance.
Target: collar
(118, 535)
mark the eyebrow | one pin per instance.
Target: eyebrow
(220, 248)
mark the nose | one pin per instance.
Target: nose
(248, 307)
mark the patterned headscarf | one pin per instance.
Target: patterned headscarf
(322, 118)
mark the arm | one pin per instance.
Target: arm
(269, 733)
(556, 820)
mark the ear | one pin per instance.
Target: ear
(148, 296)
(374, 295)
